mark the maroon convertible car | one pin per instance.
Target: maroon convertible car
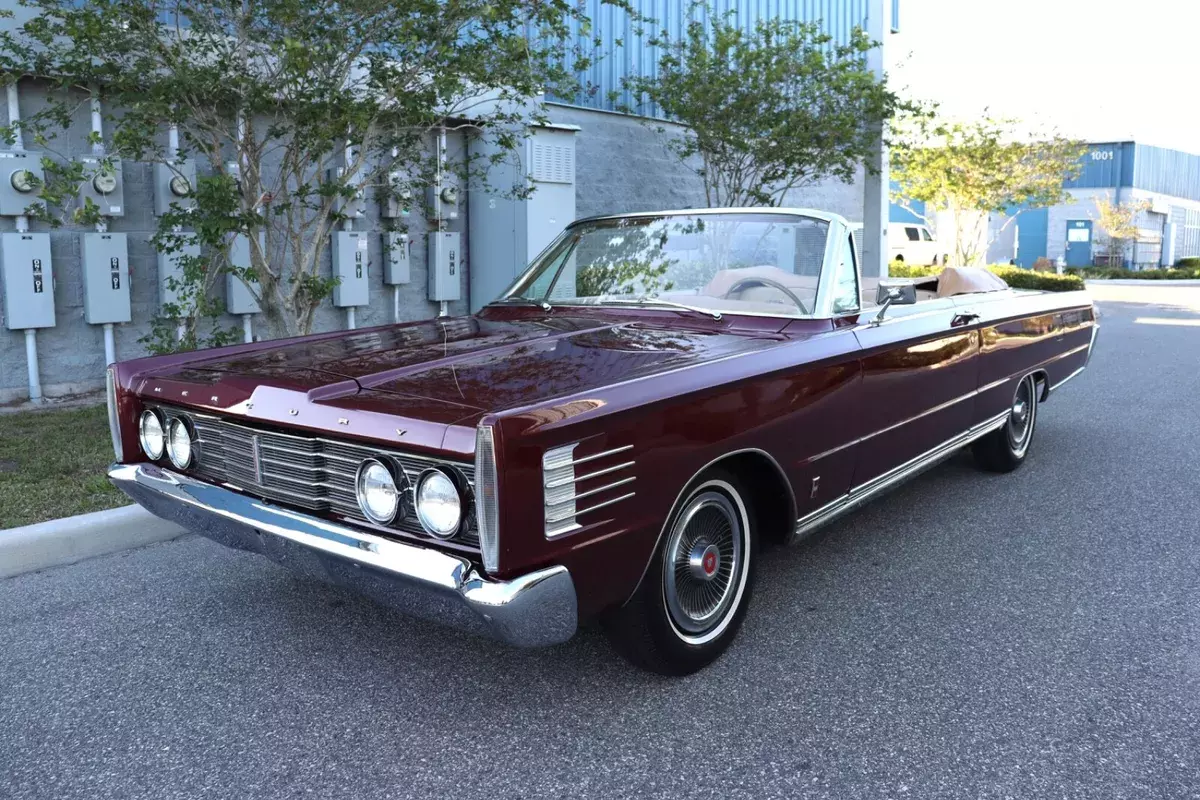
(617, 437)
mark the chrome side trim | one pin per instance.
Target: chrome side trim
(1058, 385)
(580, 495)
(602, 454)
(865, 491)
(599, 506)
(114, 422)
(597, 474)
(531, 610)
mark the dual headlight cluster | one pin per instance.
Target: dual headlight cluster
(175, 439)
(437, 499)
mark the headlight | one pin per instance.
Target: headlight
(151, 436)
(179, 444)
(439, 504)
(378, 496)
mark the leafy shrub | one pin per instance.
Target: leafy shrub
(1015, 277)
(1108, 273)
(1191, 262)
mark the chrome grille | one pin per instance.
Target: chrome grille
(305, 472)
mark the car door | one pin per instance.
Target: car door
(920, 367)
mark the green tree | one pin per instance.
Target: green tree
(293, 107)
(766, 110)
(1118, 222)
(975, 169)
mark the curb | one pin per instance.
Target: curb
(65, 541)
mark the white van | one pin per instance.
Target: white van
(907, 242)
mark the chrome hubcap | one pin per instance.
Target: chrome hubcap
(1020, 417)
(703, 562)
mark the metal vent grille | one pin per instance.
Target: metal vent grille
(305, 472)
(575, 485)
(553, 163)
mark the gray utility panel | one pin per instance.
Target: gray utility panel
(397, 197)
(170, 271)
(27, 280)
(239, 299)
(174, 183)
(354, 207)
(445, 266)
(21, 175)
(105, 278)
(350, 262)
(507, 233)
(104, 185)
(396, 264)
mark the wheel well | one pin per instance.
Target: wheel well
(768, 491)
(1042, 380)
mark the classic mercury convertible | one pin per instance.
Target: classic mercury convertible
(617, 437)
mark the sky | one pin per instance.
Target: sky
(1099, 70)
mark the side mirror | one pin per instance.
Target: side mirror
(901, 293)
(892, 293)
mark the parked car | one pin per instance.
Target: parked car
(909, 243)
(616, 437)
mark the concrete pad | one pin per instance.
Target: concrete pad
(64, 541)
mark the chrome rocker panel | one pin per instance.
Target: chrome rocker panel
(533, 610)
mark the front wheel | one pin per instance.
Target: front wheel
(1005, 449)
(694, 595)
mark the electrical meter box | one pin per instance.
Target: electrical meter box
(170, 272)
(104, 185)
(174, 183)
(105, 278)
(21, 176)
(353, 207)
(444, 199)
(397, 197)
(27, 279)
(239, 299)
(350, 261)
(445, 265)
(396, 267)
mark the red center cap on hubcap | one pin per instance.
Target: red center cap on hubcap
(710, 562)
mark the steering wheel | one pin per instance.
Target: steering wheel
(736, 288)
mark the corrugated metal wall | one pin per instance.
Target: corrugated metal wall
(634, 56)
(1106, 165)
(1169, 172)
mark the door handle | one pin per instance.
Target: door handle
(965, 318)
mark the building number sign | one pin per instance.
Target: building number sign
(1102, 155)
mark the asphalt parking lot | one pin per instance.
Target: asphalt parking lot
(969, 636)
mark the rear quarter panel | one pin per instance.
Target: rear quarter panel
(1046, 332)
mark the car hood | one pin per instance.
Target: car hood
(468, 365)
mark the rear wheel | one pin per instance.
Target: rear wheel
(692, 600)
(1005, 449)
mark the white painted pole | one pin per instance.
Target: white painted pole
(247, 328)
(22, 226)
(876, 187)
(395, 304)
(443, 309)
(173, 142)
(14, 116)
(31, 360)
(97, 124)
(350, 323)
(110, 344)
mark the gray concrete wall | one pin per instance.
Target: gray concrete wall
(621, 165)
(71, 354)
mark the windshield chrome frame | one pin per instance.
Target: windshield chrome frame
(822, 308)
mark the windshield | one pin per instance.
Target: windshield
(734, 263)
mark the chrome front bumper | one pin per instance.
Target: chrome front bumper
(530, 611)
